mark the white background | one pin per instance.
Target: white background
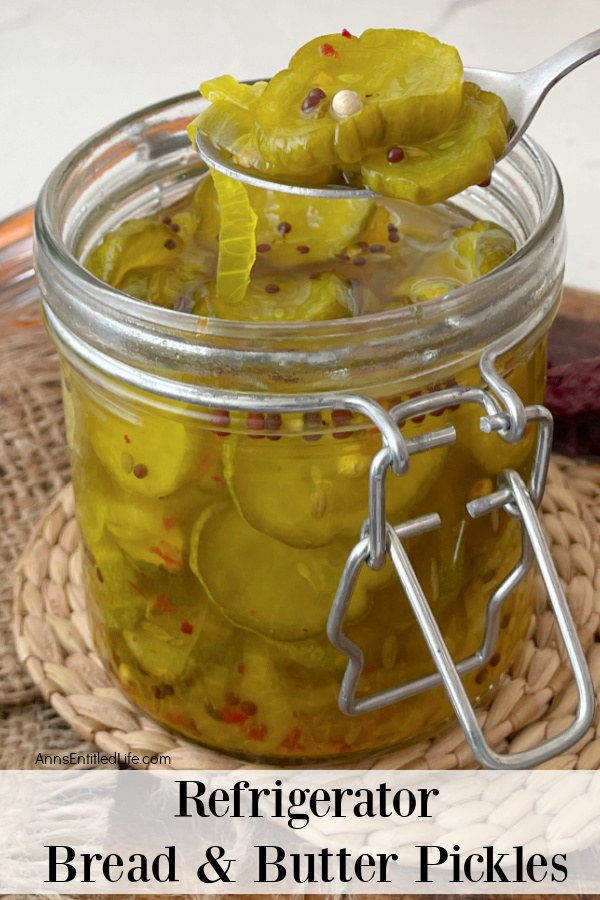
(70, 67)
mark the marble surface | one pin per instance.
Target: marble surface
(70, 67)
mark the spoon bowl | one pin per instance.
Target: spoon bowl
(522, 93)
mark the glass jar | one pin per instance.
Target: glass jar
(223, 472)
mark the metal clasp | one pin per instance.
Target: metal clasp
(504, 413)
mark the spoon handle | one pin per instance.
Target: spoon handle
(524, 91)
(547, 73)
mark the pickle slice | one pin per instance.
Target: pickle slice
(148, 453)
(161, 260)
(289, 298)
(434, 170)
(308, 493)
(179, 622)
(290, 229)
(409, 85)
(480, 248)
(226, 88)
(229, 118)
(231, 127)
(158, 652)
(127, 248)
(298, 229)
(387, 109)
(273, 588)
(237, 245)
(149, 531)
(419, 287)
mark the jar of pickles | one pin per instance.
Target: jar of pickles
(307, 524)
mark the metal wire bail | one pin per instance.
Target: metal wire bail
(505, 414)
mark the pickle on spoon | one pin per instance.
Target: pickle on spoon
(388, 110)
(408, 85)
(405, 86)
(429, 172)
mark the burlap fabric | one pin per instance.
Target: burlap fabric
(33, 467)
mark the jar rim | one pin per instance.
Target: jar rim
(456, 302)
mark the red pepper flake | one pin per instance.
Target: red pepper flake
(263, 248)
(291, 740)
(175, 227)
(328, 50)
(240, 668)
(187, 627)
(135, 588)
(377, 248)
(249, 708)
(486, 182)
(341, 745)
(233, 716)
(126, 438)
(302, 249)
(257, 733)
(178, 719)
(284, 228)
(163, 604)
(170, 244)
(393, 237)
(170, 522)
(272, 288)
(140, 471)
(346, 33)
(359, 261)
(495, 659)
(165, 552)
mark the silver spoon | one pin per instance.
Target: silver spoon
(522, 92)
